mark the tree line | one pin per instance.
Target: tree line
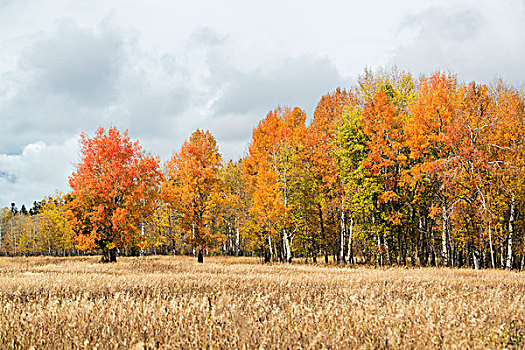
(394, 171)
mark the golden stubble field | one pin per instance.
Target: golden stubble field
(172, 302)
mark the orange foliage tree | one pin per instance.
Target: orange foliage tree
(262, 182)
(506, 149)
(321, 141)
(275, 170)
(433, 138)
(113, 190)
(193, 188)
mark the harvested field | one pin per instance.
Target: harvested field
(173, 302)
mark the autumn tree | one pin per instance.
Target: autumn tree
(506, 150)
(321, 140)
(276, 170)
(261, 182)
(427, 128)
(55, 232)
(18, 232)
(372, 158)
(235, 206)
(360, 186)
(193, 188)
(113, 191)
(290, 164)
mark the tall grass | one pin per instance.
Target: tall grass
(173, 302)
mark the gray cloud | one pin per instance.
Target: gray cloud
(10, 178)
(152, 95)
(296, 81)
(479, 43)
(81, 64)
(65, 82)
(445, 25)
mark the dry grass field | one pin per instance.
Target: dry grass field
(172, 302)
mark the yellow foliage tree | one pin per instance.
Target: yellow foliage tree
(55, 233)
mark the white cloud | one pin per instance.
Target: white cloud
(38, 171)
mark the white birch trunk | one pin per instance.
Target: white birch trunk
(287, 246)
(350, 237)
(193, 238)
(444, 236)
(342, 243)
(142, 235)
(270, 240)
(475, 257)
(508, 264)
(237, 241)
(491, 248)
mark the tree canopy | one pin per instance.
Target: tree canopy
(114, 189)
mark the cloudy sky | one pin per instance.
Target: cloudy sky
(164, 68)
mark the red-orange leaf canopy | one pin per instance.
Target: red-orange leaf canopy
(114, 188)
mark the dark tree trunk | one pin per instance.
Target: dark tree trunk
(403, 247)
(433, 257)
(323, 234)
(460, 258)
(200, 257)
(423, 254)
(113, 255)
(109, 255)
